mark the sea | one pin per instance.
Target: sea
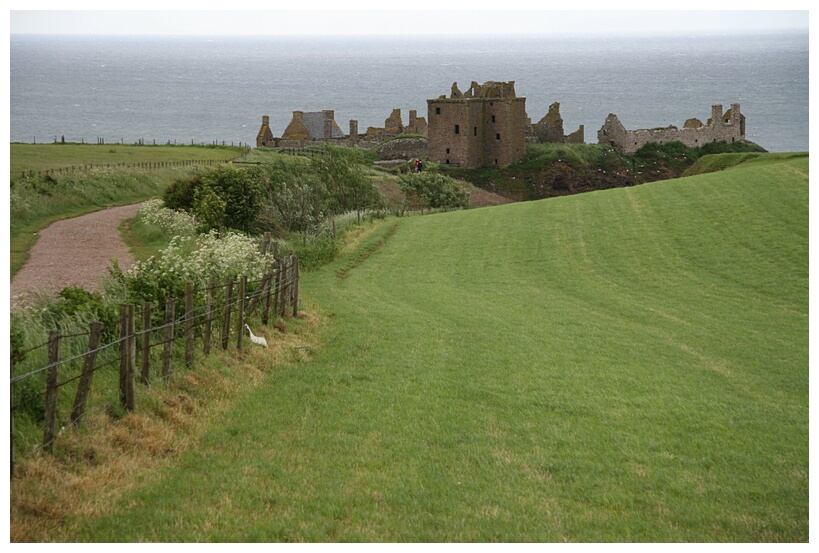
(205, 90)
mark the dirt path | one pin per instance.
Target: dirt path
(74, 252)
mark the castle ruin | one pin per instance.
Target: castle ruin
(728, 127)
(485, 126)
(550, 129)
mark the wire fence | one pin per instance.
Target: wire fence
(143, 346)
(147, 166)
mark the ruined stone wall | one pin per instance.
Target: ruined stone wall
(577, 137)
(550, 129)
(403, 149)
(728, 127)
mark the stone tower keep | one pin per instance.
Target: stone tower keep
(485, 126)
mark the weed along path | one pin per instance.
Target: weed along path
(74, 252)
(623, 366)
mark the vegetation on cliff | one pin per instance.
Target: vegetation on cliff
(549, 170)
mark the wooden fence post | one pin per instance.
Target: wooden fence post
(241, 322)
(127, 364)
(11, 412)
(51, 391)
(266, 292)
(147, 308)
(289, 296)
(189, 328)
(295, 287)
(266, 243)
(226, 318)
(88, 363)
(277, 289)
(209, 317)
(123, 353)
(167, 351)
(258, 296)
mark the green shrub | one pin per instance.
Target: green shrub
(220, 198)
(181, 192)
(434, 191)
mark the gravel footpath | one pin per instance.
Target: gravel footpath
(74, 252)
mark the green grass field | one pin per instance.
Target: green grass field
(626, 365)
(46, 157)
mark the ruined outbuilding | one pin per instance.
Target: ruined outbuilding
(728, 127)
(485, 126)
(304, 127)
(550, 129)
(312, 125)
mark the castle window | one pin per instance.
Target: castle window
(457, 129)
(475, 131)
(497, 136)
(493, 118)
(447, 150)
(437, 111)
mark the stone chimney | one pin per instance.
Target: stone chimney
(716, 115)
(353, 130)
(329, 119)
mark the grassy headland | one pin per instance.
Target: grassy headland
(625, 365)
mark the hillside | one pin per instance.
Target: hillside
(550, 170)
(624, 365)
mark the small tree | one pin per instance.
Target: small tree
(293, 197)
(348, 188)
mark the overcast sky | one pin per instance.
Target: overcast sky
(160, 18)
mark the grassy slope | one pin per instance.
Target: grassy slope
(627, 365)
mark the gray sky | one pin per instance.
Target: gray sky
(171, 20)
